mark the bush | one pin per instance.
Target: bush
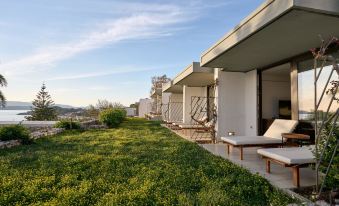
(332, 180)
(112, 117)
(15, 132)
(68, 124)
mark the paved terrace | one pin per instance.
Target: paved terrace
(280, 176)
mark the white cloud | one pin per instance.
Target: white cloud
(147, 24)
(73, 90)
(97, 74)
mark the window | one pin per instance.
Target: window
(306, 89)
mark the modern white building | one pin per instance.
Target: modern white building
(265, 67)
(131, 112)
(196, 83)
(173, 110)
(156, 96)
(145, 107)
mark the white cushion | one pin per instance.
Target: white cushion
(280, 126)
(250, 140)
(290, 155)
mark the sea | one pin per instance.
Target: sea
(12, 115)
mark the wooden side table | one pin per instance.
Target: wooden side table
(299, 138)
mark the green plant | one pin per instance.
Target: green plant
(43, 107)
(68, 124)
(112, 117)
(15, 132)
(93, 111)
(332, 179)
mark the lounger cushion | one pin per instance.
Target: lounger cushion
(290, 155)
(250, 140)
(280, 126)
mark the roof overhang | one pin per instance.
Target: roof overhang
(169, 87)
(156, 92)
(277, 31)
(195, 76)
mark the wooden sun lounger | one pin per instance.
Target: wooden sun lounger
(272, 137)
(293, 157)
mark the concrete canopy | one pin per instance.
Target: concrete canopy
(195, 76)
(171, 88)
(277, 31)
(156, 92)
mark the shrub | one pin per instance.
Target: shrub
(68, 124)
(15, 132)
(112, 117)
(332, 179)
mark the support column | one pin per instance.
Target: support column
(294, 91)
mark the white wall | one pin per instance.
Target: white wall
(251, 102)
(130, 112)
(188, 92)
(176, 97)
(274, 88)
(236, 103)
(145, 107)
(230, 103)
(165, 98)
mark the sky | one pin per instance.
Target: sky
(85, 50)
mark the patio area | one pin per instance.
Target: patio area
(200, 137)
(280, 177)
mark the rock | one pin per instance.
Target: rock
(9, 144)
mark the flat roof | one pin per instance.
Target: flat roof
(156, 92)
(195, 76)
(169, 87)
(278, 30)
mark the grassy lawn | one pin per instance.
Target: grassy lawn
(139, 163)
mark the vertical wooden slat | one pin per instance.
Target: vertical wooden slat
(294, 91)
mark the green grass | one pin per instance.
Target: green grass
(139, 163)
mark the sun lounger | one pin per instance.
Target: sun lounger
(293, 157)
(271, 138)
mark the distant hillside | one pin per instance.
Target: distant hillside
(16, 105)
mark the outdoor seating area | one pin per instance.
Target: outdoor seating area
(279, 176)
(261, 151)
(293, 157)
(271, 138)
(199, 133)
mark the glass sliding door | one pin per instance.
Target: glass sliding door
(306, 89)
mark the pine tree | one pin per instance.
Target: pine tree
(3, 83)
(43, 107)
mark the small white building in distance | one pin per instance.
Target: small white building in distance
(131, 112)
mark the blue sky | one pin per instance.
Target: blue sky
(85, 50)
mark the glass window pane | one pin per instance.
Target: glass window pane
(306, 89)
